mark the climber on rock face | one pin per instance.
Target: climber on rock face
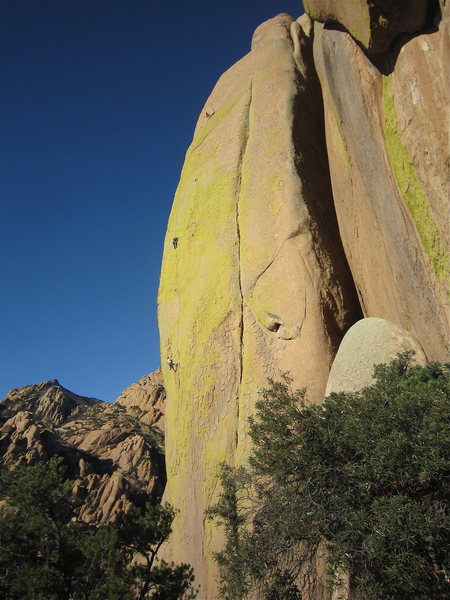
(175, 242)
(171, 364)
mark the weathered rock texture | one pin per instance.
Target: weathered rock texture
(281, 238)
(146, 400)
(387, 140)
(115, 460)
(368, 343)
(373, 23)
(258, 281)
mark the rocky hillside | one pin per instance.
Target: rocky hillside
(146, 400)
(314, 194)
(114, 452)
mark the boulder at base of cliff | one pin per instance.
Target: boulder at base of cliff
(369, 342)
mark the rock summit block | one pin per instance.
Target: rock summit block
(373, 23)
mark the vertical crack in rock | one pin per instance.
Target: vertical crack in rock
(376, 131)
(339, 299)
(245, 136)
(278, 226)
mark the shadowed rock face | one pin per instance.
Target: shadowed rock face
(373, 23)
(116, 460)
(387, 141)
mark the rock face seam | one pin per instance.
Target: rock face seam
(246, 129)
(309, 140)
(291, 236)
(381, 239)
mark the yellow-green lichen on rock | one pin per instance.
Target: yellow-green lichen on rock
(390, 250)
(242, 296)
(199, 319)
(273, 191)
(412, 190)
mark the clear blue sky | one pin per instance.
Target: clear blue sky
(98, 102)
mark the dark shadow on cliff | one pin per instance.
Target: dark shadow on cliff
(385, 63)
(313, 170)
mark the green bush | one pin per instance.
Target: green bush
(364, 476)
(46, 554)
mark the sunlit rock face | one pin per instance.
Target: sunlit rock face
(146, 400)
(254, 279)
(114, 457)
(47, 401)
(314, 193)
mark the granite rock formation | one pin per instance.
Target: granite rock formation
(388, 155)
(314, 193)
(115, 459)
(367, 343)
(258, 280)
(373, 23)
(146, 400)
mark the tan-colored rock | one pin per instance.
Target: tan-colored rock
(368, 343)
(146, 399)
(373, 23)
(254, 278)
(113, 455)
(258, 282)
(48, 401)
(387, 141)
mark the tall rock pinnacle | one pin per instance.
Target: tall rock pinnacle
(254, 279)
(314, 193)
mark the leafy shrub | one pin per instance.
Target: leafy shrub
(365, 476)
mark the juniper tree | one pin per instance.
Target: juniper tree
(364, 476)
(47, 554)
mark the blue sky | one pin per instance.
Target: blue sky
(98, 102)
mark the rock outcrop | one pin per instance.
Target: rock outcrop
(368, 343)
(373, 23)
(114, 457)
(314, 193)
(49, 402)
(146, 400)
(258, 280)
(388, 153)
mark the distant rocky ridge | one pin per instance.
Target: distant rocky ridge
(114, 452)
